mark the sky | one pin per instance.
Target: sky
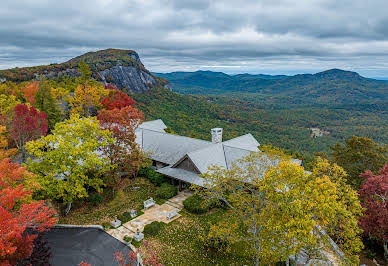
(239, 36)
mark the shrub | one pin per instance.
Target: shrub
(127, 239)
(152, 229)
(106, 226)
(95, 199)
(124, 217)
(196, 204)
(370, 254)
(167, 191)
(155, 178)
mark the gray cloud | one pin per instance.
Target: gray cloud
(264, 36)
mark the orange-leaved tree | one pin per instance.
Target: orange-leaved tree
(4, 151)
(29, 92)
(18, 212)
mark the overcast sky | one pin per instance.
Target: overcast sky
(258, 36)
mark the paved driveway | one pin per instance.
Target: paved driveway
(70, 246)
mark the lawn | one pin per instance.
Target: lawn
(84, 213)
(178, 243)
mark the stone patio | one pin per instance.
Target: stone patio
(155, 213)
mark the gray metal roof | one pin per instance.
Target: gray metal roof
(170, 149)
(211, 156)
(155, 125)
(182, 174)
(246, 142)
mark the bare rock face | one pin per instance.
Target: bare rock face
(128, 78)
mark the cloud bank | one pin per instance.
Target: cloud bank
(259, 36)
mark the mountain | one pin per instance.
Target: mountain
(330, 86)
(120, 67)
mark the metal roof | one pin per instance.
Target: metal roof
(156, 125)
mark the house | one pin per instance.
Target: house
(184, 159)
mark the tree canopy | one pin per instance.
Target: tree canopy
(374, 198)
(280, 209)
(358, 155)
(70, 160)
(18, 213)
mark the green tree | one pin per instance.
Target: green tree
(69, 161)
(279, 209)
(358, 155)
(45, 102)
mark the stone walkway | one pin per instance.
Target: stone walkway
(155, 213)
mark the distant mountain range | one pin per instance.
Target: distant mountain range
(330, 86)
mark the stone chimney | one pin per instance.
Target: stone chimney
(216, 135)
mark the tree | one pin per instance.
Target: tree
(374, 198)
(116, 99)
(18, 213)
(124, 152)
(344, 229)
(279, 210)
(70, 160)
(30, 91)
(27, 124)
(358, 155)
(45, 102)
(88, 94)
(4, 151)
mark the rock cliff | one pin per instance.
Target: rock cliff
(122, 68)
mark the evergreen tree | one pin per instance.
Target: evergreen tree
(45, 102)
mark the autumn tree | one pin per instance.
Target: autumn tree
(4, 151)
(276, 207)
(71, 159)
(27, 124)
(116, 99)
(45, 102)
(344, 228)
(358, 155)
(124, 152)
(374, 198)
(18, 213)
(88, 93)
(29, 92)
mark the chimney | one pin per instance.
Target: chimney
(216, 135)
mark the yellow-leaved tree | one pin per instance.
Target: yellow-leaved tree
(88, 94)
(71, 160)
(281, 210)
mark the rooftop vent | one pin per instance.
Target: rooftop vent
(216, 135)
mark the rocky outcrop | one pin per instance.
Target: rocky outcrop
(128, 78)
(122, 68)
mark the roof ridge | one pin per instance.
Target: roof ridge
(239, 137)
(165, 133)
(238, 147)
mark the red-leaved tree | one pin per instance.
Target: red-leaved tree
(374, 198)
(17, 213)
(124, 152)
(27, 124)
(116, 99)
